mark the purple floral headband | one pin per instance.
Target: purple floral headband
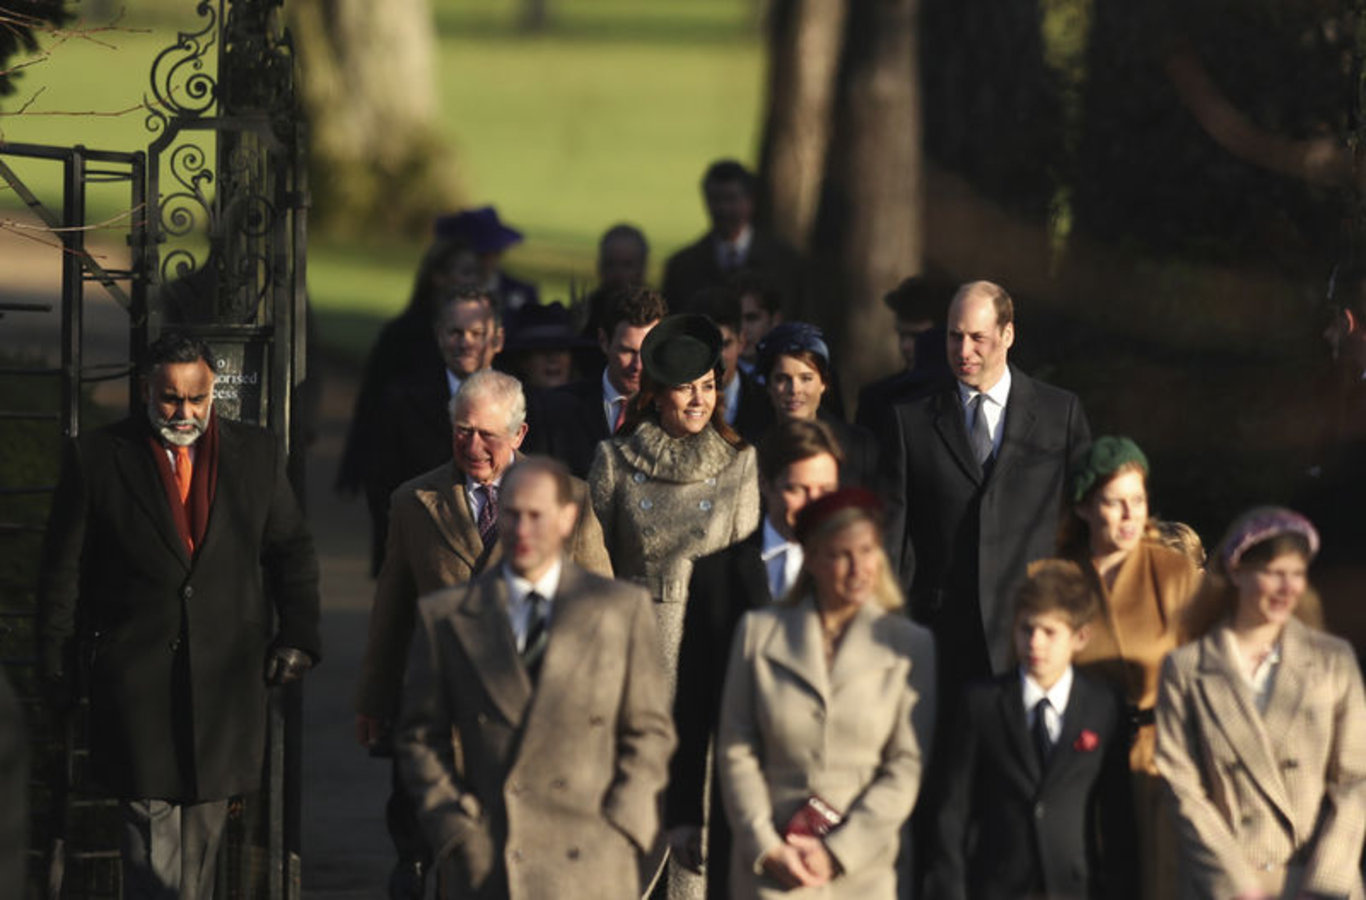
(1261, 524)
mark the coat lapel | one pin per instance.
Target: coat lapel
(574, 616)
(1080, 711)
(480, 622)
(753, 574)
(1021, 413)
(953, 431)
(1231, 706)
(144, 486)
(450, 513)
(796, 646)
(1012, 712)
(860, 652)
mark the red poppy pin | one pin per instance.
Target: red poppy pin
(1087, 741)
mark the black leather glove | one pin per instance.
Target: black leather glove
(287, 664)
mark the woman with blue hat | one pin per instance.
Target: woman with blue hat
(794, 362)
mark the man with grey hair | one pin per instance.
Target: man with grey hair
(442, 533)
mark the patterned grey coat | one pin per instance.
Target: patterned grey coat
(663, 502)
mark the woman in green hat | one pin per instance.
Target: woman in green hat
(1144, 589)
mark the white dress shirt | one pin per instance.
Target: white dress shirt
(738, 249)
(1261, 678)
(476, 496)
(519, 610)
(993, 406)
(782, 560)
(1057, 696)
(730, 399)
(453, 382)
(170, 453)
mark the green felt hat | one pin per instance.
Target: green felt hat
(1105, 457)
(681, 349)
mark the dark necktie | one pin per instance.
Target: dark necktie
(1043, 744)
(537, 634)
(488, 514)
(981, 434)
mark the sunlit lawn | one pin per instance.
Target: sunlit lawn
(610, 116)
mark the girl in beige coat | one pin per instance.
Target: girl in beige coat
(827, 707)
(1261, 731)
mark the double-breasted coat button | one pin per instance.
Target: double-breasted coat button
(559, 784)
(596, 721)
(516, 788)
(481, 719)
(711, 482)
(638, 478)
(705, 506)
(516, 855)
(648, 530)
(186, 592)
(647, 503)
(1038, 810)
(174, 645)
(573, 853)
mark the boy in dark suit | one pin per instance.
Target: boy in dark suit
(1036, 796)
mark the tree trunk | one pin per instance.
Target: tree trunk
(805, 37)
(367, 80)
(869, 231)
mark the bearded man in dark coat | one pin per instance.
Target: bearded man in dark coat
(179, 575)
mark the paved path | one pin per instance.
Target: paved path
(346, 851)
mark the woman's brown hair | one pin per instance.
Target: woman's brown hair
(642, 407)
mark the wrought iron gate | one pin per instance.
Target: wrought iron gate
(217, 243)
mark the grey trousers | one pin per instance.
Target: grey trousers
(169, 850)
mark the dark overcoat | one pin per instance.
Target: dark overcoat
(176, 644)
(962, 536)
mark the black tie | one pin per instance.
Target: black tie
(537, 634)
(1043, 744)
(981, 434)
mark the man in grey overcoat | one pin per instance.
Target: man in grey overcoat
(549, 680)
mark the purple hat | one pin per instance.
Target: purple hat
(480, 228)
(1261, 524)
(816, 513)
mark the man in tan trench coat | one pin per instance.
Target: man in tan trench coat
(550, 680)
(435, 541)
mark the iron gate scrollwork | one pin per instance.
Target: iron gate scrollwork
(217, 243)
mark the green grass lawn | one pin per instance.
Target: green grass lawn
(611, 115)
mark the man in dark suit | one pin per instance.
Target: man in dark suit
(919, 303)
(415, 420)
(799, 461)
(176, 547)
(731, 245)
(568, 423)
(549, 681)
(745, 404)
(442, 530)
(1036, 799)
(974, 475)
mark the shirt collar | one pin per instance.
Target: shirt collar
(546, 585)
(1057, 695)
(453, 381)
(610, 394)
(998, 394)
(774, 543)
(741, 243)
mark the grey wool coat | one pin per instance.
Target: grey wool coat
(662, 503)
(854, 734)
(1273, 802)
(550, 790)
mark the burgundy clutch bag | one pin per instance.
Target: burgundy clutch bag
(814, 819)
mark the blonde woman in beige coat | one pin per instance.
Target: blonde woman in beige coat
(676, 482)
(1261, 731)
(828, 705)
